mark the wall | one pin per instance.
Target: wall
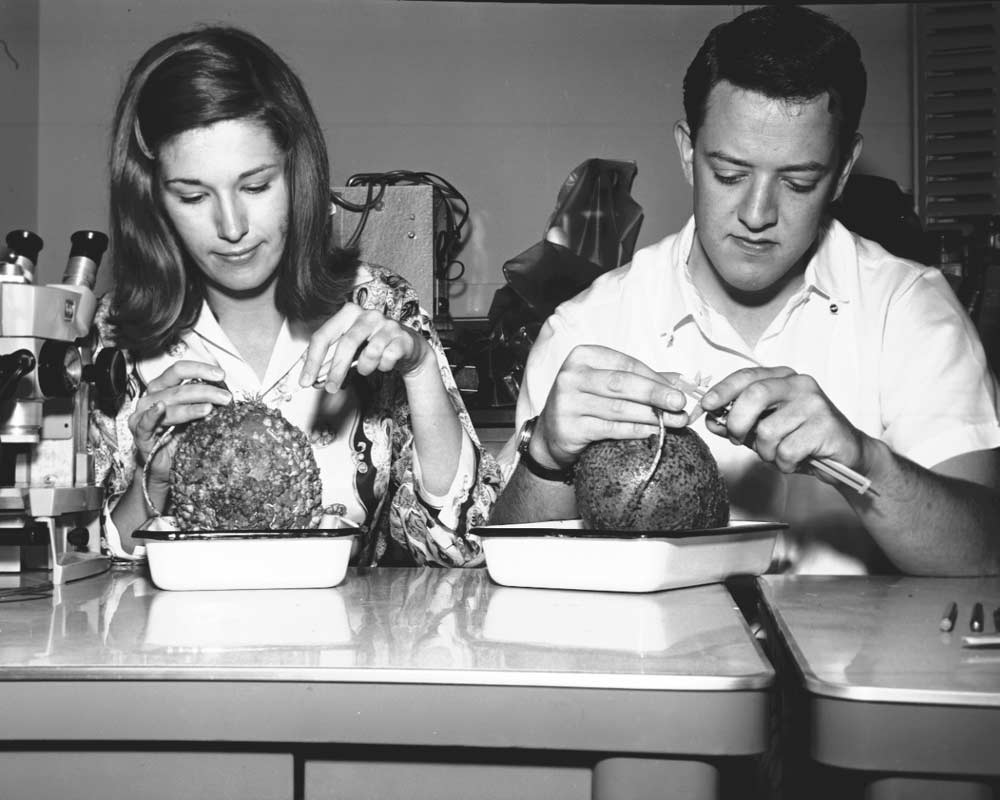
(19, 115)
(501, 99)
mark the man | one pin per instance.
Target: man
(826, 345)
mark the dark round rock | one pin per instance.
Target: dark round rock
(687, 492)
(245, 467)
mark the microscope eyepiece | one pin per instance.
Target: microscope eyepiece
(84, 258)
(25, 244)
(89, 244)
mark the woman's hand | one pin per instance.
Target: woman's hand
(181, 394)
(375, 342)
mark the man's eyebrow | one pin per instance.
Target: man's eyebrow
(807, 166)
(242, 176)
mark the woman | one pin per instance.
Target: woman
(226, 285)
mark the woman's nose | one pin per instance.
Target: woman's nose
(231, 224)
(759, 209)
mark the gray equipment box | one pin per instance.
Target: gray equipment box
(400, 234)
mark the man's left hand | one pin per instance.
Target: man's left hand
(787, 418)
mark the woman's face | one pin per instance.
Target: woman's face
(224, 189)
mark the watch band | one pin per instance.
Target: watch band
(536, 469)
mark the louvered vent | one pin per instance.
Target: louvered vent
(958, 113)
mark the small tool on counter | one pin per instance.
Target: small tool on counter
(949, 617)
(828, 466)
(981, 640)
(976, 621)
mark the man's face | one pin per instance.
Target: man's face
(763, 173)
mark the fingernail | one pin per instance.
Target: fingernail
(218, 373)
(306, 379)
(710, 400)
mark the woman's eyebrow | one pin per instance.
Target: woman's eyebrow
(806, 166)
(242, 176)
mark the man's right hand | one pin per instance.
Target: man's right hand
(598, 394)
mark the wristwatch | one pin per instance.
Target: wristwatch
(536, 469)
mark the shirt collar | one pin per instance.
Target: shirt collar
(836, 247)
(680, 298)
(208, 342)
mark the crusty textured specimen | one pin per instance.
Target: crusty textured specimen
(686, 492)
(245, 467)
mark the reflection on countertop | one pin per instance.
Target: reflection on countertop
(383, 624)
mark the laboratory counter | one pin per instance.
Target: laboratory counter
(880, 694)
(414, 683)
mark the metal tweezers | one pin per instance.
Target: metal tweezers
(828, 466)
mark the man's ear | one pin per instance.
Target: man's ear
(848, 165)
(685, 148)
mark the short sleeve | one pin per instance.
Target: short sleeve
(939, 397)
(434, 530)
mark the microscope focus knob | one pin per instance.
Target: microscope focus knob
(78, 537)
(60, 369)
(109, 374)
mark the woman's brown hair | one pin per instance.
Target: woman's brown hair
(192, 80)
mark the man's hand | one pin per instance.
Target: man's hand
(787, 417)
(598, 394)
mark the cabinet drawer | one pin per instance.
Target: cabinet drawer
(413, 780)
(130, 774)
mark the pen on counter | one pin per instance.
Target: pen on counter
(976, 621)
(988, 640)
(949, 617)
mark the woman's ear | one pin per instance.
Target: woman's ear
(685, 148)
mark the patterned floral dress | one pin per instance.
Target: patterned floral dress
(398, 524)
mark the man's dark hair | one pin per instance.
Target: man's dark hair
(785, 53)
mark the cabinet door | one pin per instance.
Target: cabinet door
(130, 774)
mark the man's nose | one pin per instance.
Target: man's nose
(231, 224)
(759, 209)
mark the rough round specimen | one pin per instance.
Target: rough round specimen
(245, 467)
(686, 492)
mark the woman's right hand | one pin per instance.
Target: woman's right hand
(182, 393)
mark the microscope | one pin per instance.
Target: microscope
(50, 381)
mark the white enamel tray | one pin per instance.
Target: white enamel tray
(561, 554)
(213, 560)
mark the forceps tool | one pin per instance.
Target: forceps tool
(828, 466)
